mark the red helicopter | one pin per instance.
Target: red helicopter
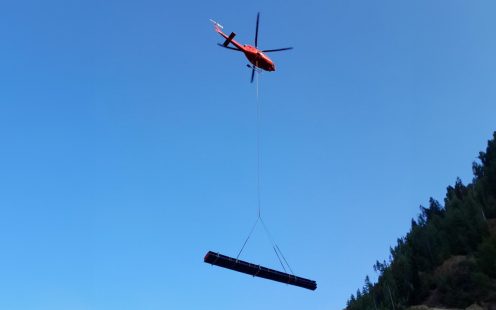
(256, 56)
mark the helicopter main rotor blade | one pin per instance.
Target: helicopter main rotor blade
(252, 74)
(278, 49)
(228, 47)
(256, 30)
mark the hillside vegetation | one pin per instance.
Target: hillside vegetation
(448, 258)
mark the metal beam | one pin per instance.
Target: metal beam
(257, 270)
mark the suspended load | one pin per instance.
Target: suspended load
(257, 270)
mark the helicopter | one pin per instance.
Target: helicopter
(256, 56)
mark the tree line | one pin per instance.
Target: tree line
(457, 232)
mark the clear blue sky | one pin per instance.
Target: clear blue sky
(128, 144)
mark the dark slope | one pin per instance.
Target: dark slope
(448, 258)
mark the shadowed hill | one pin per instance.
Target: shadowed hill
(448, 258)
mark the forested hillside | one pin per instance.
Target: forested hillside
(448, 258)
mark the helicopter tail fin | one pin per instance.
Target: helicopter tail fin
(217, 25)
(229, 39)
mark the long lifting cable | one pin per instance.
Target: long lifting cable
(259, 204)
(258, 152)
(276, 248)
(259, 200)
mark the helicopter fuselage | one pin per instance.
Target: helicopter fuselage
(258, 58)
(255, 56)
